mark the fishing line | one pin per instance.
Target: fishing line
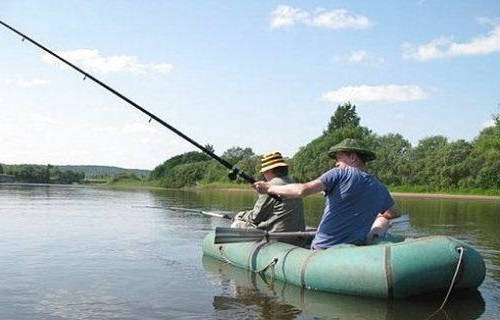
(234, 170)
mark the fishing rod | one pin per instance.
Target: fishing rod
(234, 170)
(220, 214)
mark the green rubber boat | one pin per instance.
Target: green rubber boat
(394, 267)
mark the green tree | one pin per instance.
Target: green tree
(235, 154)
(210, 147)
(425, 157)
(392, 165)
(215, 172)
(345, 116)
(184, 175)
(313, 160)
(486, 151)
(188, 157)
(250, 165)
(454, 164)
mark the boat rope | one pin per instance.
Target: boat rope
(461, 251)
(271, 264)
(226, 259)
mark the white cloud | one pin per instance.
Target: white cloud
(28, 83)
(445, 47)
(360, 57)
(387, 93)
(91, 60)
(286, 16)
(41, 119)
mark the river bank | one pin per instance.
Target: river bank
(246, 188)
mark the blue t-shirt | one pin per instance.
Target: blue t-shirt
(353, 200)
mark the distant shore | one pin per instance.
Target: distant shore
(406, 195)
(443, 196)
(246, 188)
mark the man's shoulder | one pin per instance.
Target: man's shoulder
(281, 180)
(337, 172)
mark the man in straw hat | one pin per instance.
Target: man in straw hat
(269, 213)
(354, 199)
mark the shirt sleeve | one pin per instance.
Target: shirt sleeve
(261, 210)
(388, 200)
(330, 179)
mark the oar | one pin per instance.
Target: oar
(233, 235)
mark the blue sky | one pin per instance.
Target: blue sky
(261, 74)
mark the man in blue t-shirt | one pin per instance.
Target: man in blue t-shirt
(354, 198)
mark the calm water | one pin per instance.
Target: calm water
(86, 253)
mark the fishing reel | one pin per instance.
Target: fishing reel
(233, 173)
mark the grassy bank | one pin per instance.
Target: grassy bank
(429, 190)
(400, 190)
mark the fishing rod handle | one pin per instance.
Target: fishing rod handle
(251, 180)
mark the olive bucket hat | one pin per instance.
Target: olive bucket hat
(352, 145)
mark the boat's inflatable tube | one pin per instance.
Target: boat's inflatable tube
(390, 269)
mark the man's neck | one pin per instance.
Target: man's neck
(345, 166)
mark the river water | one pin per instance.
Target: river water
(71, 252)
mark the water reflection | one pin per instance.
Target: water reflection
(246, 293)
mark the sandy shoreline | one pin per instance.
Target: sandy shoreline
(444, 196)
(395, 194)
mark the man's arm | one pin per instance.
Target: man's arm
(391, 213)
(382, 224)
(292, 190)
(261, 211)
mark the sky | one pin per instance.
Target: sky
(261, 74)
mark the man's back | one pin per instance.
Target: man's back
(353, 200)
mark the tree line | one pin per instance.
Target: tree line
(41, 174)
(434, 164)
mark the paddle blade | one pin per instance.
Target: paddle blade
(233, 235)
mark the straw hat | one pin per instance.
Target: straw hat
(272, 160)
(352, 145)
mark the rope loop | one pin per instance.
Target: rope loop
(461, 251)
(226, 259)
(269, 265)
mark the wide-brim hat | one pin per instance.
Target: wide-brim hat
(352, 145)
(272, 160)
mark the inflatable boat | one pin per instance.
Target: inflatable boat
(392, 268)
